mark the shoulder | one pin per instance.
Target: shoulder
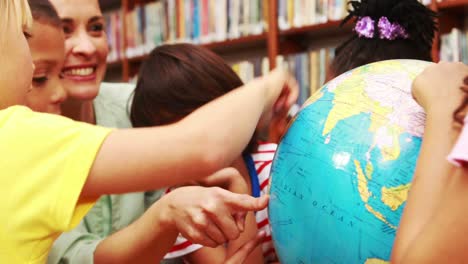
(38, 149)
(29, 135)
(116, 90)
(112, 105)
(22, 120)
(38, 137)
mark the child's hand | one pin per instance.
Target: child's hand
(437, 88)
(282, 91)
(209, 216)
(243, 252)
(228, 179)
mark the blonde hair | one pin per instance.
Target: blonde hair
(16, 14)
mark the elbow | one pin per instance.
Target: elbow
(213, 159)
(213, 155)
(209, 152)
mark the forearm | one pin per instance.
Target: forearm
(430, 178)
(435, 243)
(146, 240)
(249, 233)
(204, 142)
(228, 123)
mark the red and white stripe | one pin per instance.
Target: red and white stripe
(181, 248)
(262, 158)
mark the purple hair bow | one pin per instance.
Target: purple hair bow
(365, 27)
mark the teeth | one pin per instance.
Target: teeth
(80, 71)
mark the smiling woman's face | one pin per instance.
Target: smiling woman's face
(86, 47)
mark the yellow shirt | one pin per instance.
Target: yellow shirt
(44, 162)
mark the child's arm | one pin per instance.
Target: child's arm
(249, 233)
(444, 239)
(237, 184)
(183, 210)
(207, 255)
(437, 91)
(202, 143)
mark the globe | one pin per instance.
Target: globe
(342, 172)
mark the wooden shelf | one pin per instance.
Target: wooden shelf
(319, 30)
(225, 47)
(296, 40)
(114, 64)
(236, 45)
(134, 3)
(452, 4)
(452, 14)
(457, 8)
(293, 40)
(109, 4)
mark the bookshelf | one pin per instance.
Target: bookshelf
(452, 14)
(274, 41)
(451, 4)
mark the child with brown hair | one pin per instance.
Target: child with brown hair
(173, 82)
(48, 53)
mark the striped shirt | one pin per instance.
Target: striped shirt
(262, 158)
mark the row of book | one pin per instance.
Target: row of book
(194, 21)
(248, 70)
(309, 68)
(454, 46)
(299, 13)
(206, 21)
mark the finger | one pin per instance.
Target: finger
(215, 234)
(243, 252)
(202, 224)
(244, 202)
(281, 101)
(221, 178)
(240, 220)
(293, 88)
(225, 222)
(197, 237)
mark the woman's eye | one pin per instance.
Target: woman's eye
(97, 27)
(40, 80)
(67, 29)
(27, 35)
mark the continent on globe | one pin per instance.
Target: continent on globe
(376, 261)
(394, 197)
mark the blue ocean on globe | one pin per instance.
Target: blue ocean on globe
(342, 172)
